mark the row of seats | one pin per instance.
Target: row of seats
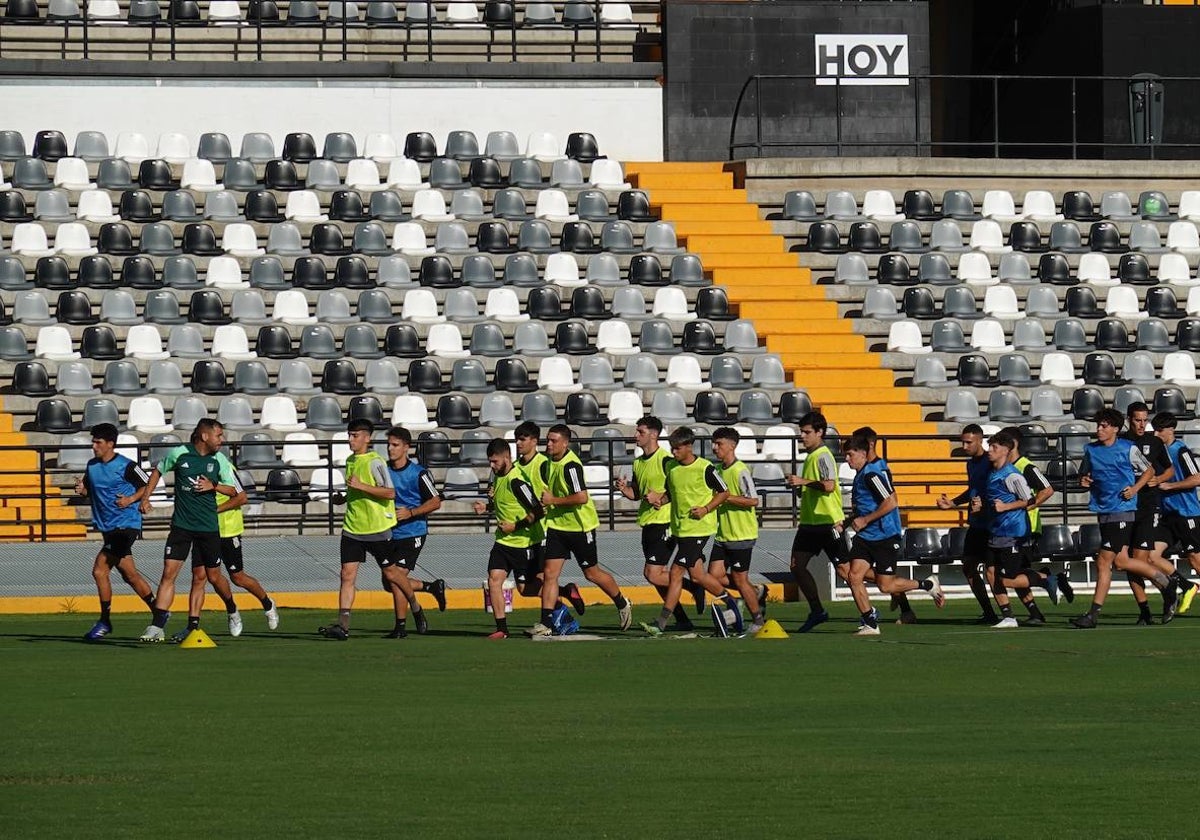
(240, 239)
(1036, 205)
(985, 235)
(299, 147)
(495, 13)
(147, 415)
(1004, 405)
(1058, 369)
(268, 273)
(1042, 301)
(421, 306)
(974, 268)
(1029, 335)
(340, 376)
(361, 174)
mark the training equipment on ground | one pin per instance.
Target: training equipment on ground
(771, 630)
(562, 623)
(727, 621)
(197, 640)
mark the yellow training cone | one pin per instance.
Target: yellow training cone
(199, 639)
(771, 630)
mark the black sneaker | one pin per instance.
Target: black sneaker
(1034, 621)
(684, 626)
(701, 596)
(1170, 598)
(334, 631)
(894, 604)
(422, 623)
(1144, 620)
(1064, 586)
(397, 633)
(1084, 622)
(438, 590)
(987, 619)
(571, 593)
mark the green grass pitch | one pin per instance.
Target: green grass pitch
(937, 730)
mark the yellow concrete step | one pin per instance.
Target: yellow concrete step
(32, 512)
(703, 212)
(635, 167)
(747, 278)
(791, 326)
(722, 228)
(749, 259)
(830, 347)
(746, 243)
(826, 394)
(682, 181)
(864, 413)
(665, 196)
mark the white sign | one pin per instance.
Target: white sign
(862, 59)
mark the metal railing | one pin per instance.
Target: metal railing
(925, 137)
(304, 507)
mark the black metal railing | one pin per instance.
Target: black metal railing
(750, 131)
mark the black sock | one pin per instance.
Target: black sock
(926, 586)
(1006, 611)
(1095, 609)
(267, 603)
(1034, 612)
(160, 618)
(230, 606)
(193, 622)
(400, 622)
(868, 619)
(979, 590)
(105, 609)
(1181, 583)
(546, 617)
(663, 616)
(1144, 609)
(680, 614)
(902, 599)
(149, 599)
(620, 601)
(502, 625)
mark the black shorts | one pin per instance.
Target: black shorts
(815, 539)
(406, 550)
(509, 558)
(1010, 560)
(975, 546)
(1032, 551)
(581, 545)
(356, 551)
(689, 551)
(883, 555)
(735, 559)
(1147, 530)
(118, 543)
(231, 553)
(203, 546)
(657, 544)
(1114, 536)
(1185, 530)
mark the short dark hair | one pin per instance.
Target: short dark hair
(682, 436)
(400, 433)
(206, 424)
(815, 419)
(1136, 406)
(560, 429)
(360, 425)
(1110, 416)
(727, 433)
(1002, 438)
(527, 429)
(1164, 420)
(858, 443)
(650, 422)
(1015, 432)
(498, 446)
(868, 433)
(973, 429)
(104, 431)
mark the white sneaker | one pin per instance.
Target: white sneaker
(539, 629)
(1009, 623)
(755, 628)
(867, 630)
(272, 617)
(153, 634)
(625, 615)
(937, 593)
(235, 624)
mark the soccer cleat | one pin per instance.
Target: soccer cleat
(1006, 623)
(684, 626)
(1034, 621)
(908, 617)
(989, 619)
(1084, 622)
(701, 596)
(755, 627)
(763, 592)
(651, 628)
(571, 593)
(625, 615)
(1052, 588)
(867, 630)
(1064, 586)
(1185, 602)
(1170, 598)
(152, 634)
(397, 633)
(499, 634)
(334, 631)
(422, 623)
(178, 636)
(99, 630)
(438, 590)
(235, 624)
(814, 618)
(936, 592)
(1144, 620)
(894, 604)
(272, 617)
(539, 629)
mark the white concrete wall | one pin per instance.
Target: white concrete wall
(625, 117)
